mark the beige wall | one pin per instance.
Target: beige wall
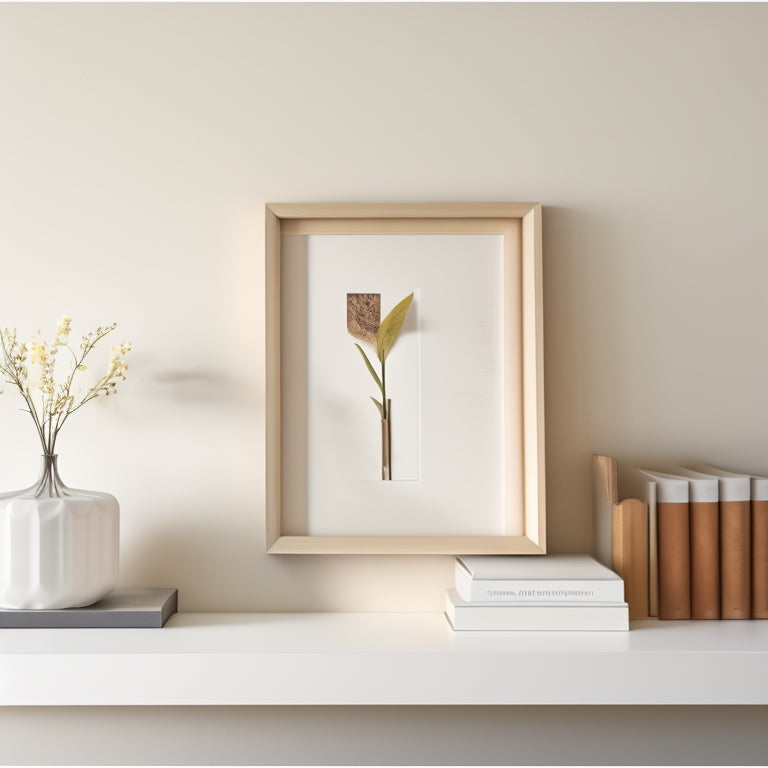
(139, 143)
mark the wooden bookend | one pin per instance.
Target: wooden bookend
(629, 526)
(605, 493)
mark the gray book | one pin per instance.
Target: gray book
(126, 608)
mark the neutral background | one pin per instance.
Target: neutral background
(139, 144)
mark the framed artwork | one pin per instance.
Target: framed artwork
(404, 379)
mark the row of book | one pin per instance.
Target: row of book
(536, 593)
(695, 546)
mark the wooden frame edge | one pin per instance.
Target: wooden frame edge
(401, 210)
(405, 545)
(273, 363)
(533, 374)
(533, 542)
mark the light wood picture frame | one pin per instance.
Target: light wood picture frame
(522, 526)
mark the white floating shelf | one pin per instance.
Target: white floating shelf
(381, 658)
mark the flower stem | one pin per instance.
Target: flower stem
(384, 401)
(386, 450)
(386, 429)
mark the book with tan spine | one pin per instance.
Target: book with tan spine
(705, 544)
(759, 493)
(649, 495)
(735, 543)
(674, 553)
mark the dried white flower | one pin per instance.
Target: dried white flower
(50, 404)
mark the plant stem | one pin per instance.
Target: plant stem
(386, 431)
(384, 401)
(386, 450)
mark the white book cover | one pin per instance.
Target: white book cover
(670, 489)
(701, 487)
(759, 488)
(535, 578)
(733, 486)
(535, 617)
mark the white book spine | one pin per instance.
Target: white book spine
(538, 590)
(536, 617)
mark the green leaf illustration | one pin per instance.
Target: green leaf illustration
(379, 406)
(370, 368)
(390, 327)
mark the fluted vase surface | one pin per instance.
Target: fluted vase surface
(59, 546)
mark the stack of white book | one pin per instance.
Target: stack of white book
(536, 592)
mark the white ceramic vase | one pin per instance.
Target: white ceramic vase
(59, 546)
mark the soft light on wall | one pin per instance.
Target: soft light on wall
(139, 144)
